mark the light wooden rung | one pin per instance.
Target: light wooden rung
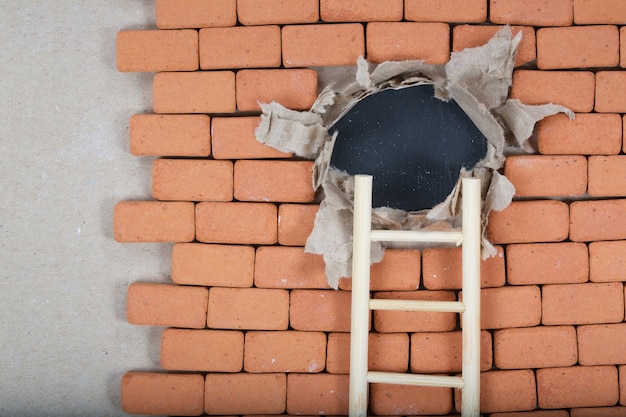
(417, 305)
(415, 379)
(416, 236)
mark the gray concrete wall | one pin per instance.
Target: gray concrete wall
(64, 163)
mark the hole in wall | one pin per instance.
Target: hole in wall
(412, 143)
(478, 79)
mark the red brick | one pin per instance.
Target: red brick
(535, 347)
(387, 399)
(577, 386)
(502, 391)
(245, 223)
(170, 135)
(398, 271)
(529, 221)
(607, 176)
(510, 307)
(471, 36)
(590, 12)
(157, 50)
(538, 413)
(248, 308)
(288, 267)
(387, 352)
(153, 221)
(288, 351)
(245, 393)
(322, 45)
(622, 386)
(602, 344)
(412, 321)
(361, 11)
(607, 261)
(433, 353)
(194, 92)
(317, 394)
(598, 220)
(583, 303)
(572, 89)
(320, 310)
(266, 12)
(240, 47)
(622, 47)
(172, 14)
(599, 411)
(610, 92)
(578, 47)
(213, 265)
(284, 181)
(192, 180)
(160, 393)
(167, 305)
(528, 173)
(588, 134)
(293, 88)
(401, 41)
(443, 269)
(445, 10)
(532, 12)
(547, 263)
(202, 350)
(233, 138)
(295, 223)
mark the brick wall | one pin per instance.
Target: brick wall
(251, 325)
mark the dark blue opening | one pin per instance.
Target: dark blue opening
(411, 142)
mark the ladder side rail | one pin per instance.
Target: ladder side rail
(472, 235)
(359, 325)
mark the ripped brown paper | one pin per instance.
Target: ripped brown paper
(477, 79)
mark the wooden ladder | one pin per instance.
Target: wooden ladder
(470, 238)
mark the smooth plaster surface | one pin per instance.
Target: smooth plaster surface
(64, 163)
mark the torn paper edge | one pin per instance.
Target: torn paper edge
(477, 79)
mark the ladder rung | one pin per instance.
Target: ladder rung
(416, 236)
(417, 305)
(415, 379)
